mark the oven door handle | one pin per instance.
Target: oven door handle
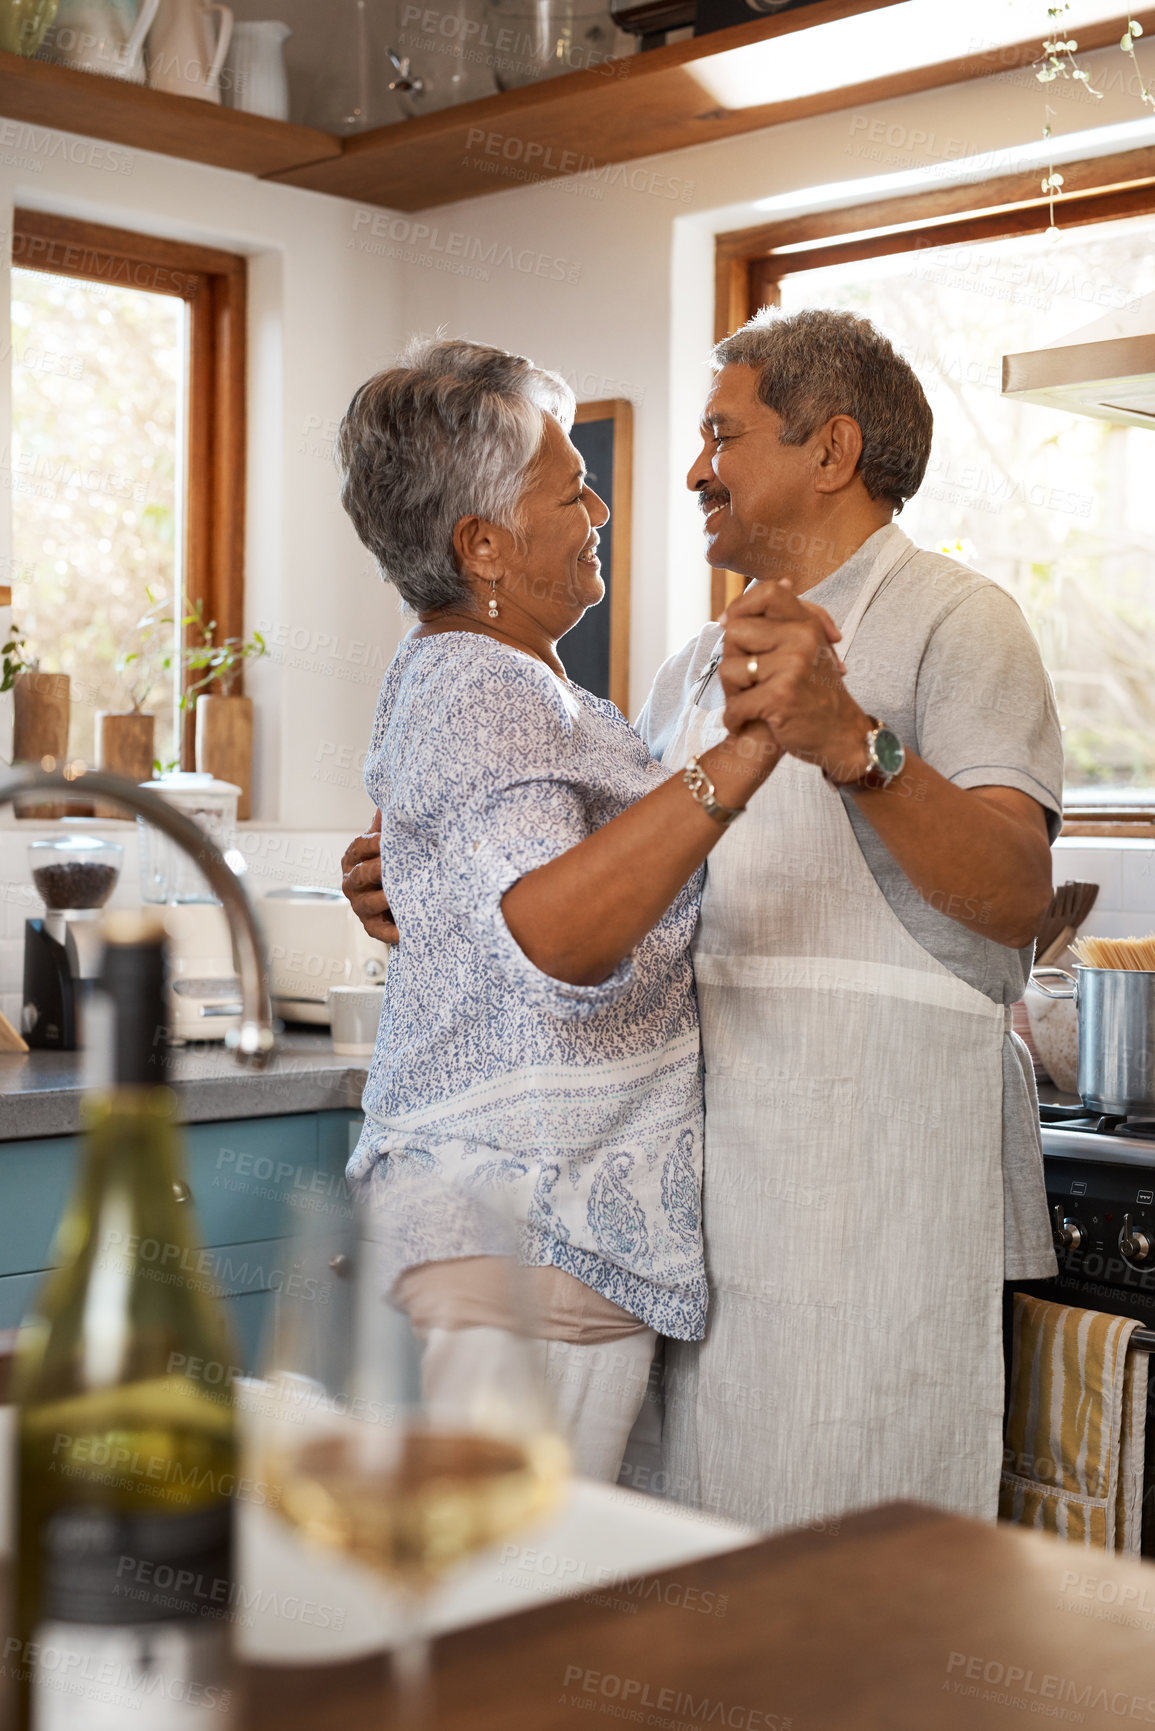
(1072, 984)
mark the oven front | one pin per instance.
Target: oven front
(1101, 1196)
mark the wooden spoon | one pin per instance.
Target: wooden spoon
(1070, 905)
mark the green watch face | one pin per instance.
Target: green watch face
(889, 750)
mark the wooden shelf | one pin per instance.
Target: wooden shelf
(630, 108)
(138, 118)
(615, 113)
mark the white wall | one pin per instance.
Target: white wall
(323, 315)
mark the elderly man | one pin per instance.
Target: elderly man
(872, 1163)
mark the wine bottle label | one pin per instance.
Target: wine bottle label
(135, 1620)
(166, 1676)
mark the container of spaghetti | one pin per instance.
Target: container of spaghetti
(1113, 986)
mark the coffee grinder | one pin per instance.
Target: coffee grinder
(74, 875)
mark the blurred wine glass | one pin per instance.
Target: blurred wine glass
(408, 1425)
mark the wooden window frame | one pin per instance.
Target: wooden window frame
(214, 286)
(749, 264)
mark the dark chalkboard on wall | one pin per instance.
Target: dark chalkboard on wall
(596, 653)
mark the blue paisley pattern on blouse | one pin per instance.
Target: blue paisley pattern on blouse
(583, 1103)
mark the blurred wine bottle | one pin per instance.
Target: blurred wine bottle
(127, 1449)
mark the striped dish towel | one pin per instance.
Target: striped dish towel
(1073, 1456)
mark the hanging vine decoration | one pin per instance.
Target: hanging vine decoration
(1052, 185)
(1059, 62)
(1059, 54)
(1127, 44)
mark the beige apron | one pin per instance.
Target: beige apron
(853, 1186)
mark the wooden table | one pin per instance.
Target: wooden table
(903, 1620)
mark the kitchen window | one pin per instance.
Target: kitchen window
(1056, 507)
(127, 460)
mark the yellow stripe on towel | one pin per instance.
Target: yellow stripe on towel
(1073, 1456)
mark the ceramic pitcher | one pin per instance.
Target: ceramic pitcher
(187, 48)
(254, 77)
(101, 36)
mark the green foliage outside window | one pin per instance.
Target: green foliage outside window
(97, 402)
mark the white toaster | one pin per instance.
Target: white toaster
(315, 941)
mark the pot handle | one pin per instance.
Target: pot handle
(1036, 979)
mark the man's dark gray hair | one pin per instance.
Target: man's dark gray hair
(453, 430)
(815, 364)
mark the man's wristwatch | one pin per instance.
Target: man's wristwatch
(885, 754)
(703, 790)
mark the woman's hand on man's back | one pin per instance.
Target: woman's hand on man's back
(361, 884)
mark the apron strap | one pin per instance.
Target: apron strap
(897, 551)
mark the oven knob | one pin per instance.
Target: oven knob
(1068, 1232)
(1135, 1245)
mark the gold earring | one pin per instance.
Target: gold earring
(493, 609)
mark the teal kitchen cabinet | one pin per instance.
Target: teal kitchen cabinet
(250, 1180)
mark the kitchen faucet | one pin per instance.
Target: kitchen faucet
(254, 1040)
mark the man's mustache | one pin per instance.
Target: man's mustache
(710, 499)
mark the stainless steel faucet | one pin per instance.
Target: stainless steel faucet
(254, 1040)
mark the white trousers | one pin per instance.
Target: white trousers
(596, 1392)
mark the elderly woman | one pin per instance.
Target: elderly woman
(539, 1028)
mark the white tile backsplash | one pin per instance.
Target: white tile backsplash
(272, 856)
(1125, 872)
(1115, 923)
(1091, 863)
(1139, 881)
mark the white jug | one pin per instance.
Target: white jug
(254, 77)
(182, 55)
(105, 36)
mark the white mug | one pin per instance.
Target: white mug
(182, 56)
(354, 1012)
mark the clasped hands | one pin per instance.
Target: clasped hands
(779, 670)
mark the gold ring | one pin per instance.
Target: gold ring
(752, 668)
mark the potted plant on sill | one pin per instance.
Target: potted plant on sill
(41, 714)
(126, 738)
(224, 719)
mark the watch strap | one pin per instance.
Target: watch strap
(873, 776)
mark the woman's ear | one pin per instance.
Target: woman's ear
(477, 545)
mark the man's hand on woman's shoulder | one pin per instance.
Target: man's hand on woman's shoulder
(361, 884)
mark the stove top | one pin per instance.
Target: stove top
(1073, 1132)
(1099, 1123)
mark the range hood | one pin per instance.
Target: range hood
(1111, 378)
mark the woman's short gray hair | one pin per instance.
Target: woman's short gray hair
(815, 364)
(452, 431)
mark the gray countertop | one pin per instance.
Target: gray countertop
(41, 1092)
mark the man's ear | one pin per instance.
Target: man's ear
(477, 544)
(837, 453)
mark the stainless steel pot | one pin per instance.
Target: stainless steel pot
(1116, 1010)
